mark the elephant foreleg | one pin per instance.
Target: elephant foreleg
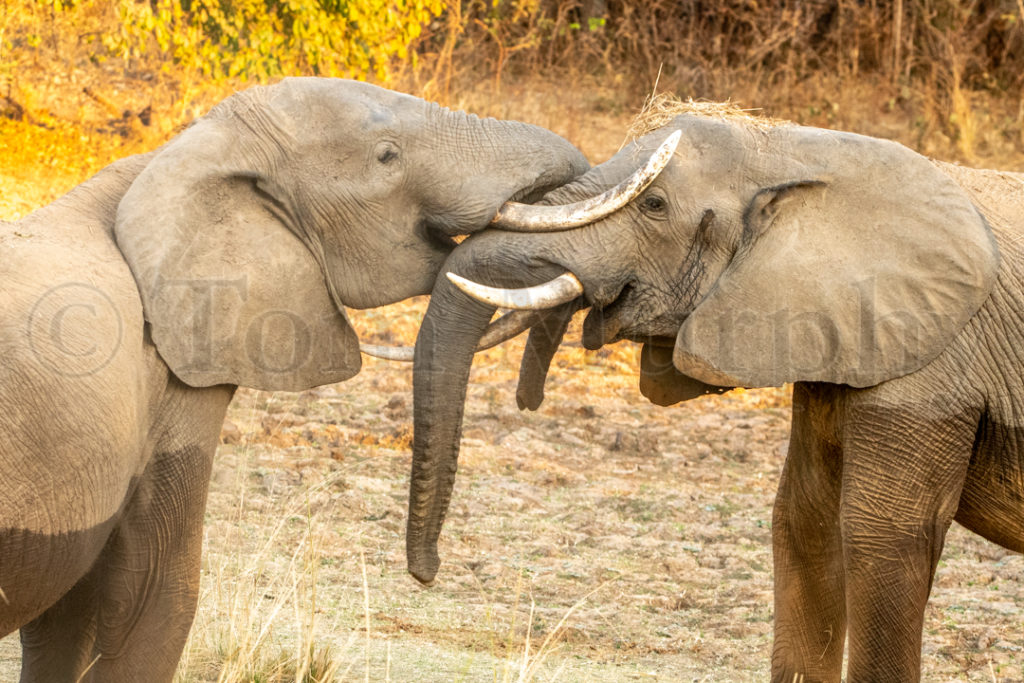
(58, 645)
(902, 477)
(810, 610)
(152, 568)
(128, 619)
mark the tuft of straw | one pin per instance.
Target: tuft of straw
(660, 108)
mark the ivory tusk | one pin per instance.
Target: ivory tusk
(562, 289)
(502, 329)
(403, 354)
(506, 327)
(532, 218)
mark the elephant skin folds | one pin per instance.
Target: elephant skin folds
(134, 305)
(885, 286)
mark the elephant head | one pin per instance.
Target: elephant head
(249, 231)
(762, 254)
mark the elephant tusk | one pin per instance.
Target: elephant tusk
(518, 217)
(506, 327)
(562, 289)
(502, 329)
(402, 354)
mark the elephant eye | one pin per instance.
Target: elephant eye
(387, 155)
(652, 203)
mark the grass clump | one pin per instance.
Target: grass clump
(660, 108)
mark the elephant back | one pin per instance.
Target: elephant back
(999, 195)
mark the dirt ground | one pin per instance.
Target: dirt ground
(601, 538)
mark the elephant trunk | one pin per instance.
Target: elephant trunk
(544, 340)
(445, 346)
(449, 335)
(498, 162)
(448, 338)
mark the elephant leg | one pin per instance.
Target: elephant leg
(151, 573)
(128, 620)
(810, 609)
(902, 478)
(58, 644)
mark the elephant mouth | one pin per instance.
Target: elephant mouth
(617, 321)
(436, 236)
(606, 324)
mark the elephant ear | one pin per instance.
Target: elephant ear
(662, 384)
(231, 294)
(855, 277)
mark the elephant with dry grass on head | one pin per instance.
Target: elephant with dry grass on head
(131, 307)
(886, 286)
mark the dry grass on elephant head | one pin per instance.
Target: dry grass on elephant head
(661, 108)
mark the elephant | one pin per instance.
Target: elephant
(134, 305)
(887, 287)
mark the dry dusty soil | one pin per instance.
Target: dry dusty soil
(600, 538)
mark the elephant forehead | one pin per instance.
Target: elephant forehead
(342, 103)
(711, 151)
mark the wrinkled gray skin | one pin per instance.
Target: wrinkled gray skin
(889, 288)
(133, 305)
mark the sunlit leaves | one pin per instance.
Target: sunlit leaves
(255, 39)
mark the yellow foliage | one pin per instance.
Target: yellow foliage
(38, 163)
(257, 39)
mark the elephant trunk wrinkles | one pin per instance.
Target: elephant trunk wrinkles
(499, 161)
(445, 346)
(448, 337)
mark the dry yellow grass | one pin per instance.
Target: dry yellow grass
(661, 108)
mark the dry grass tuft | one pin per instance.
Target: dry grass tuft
(661, 108)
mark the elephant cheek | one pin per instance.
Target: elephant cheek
(362, 280)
